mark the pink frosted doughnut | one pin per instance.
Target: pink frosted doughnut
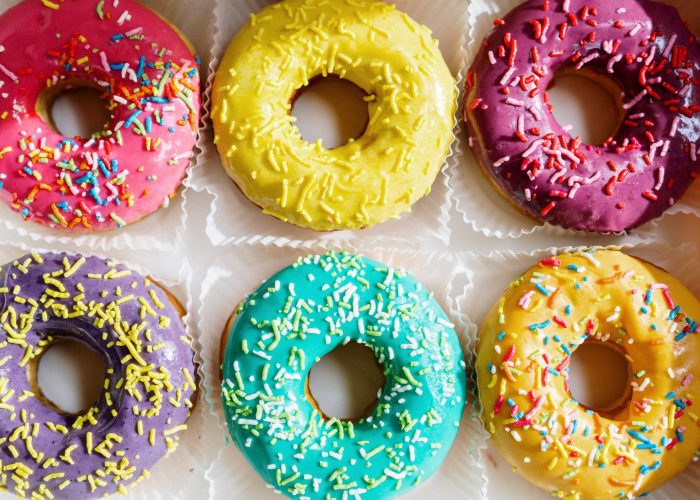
(150, 83)
(634, 176)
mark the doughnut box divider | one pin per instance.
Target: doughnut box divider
(492, 274)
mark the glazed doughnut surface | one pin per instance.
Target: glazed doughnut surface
(150, 84)
(149, 388)
(641, 46)
(525, 347)
(303, 313)
(410, 97)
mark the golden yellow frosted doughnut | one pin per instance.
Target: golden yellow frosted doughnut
(524, 351)
(410, 96)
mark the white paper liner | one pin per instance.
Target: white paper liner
(491, 275)
(478, 203)
(225, 286)
(235, 219)
(182, 474)
(195, 24)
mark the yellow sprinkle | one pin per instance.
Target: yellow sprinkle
(88, 441)
(152, 437)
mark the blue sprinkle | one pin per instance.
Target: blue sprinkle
(638, 436)
(117, 67)
(28, 171)
(147, 124)
(542, 289)
(680, 404)
(501, 335)
(674, 312)
(568, 309)
(644, 310)
(566, 349)
(679, 435)
(510, 402)
(539, 326)
(556, 338)
(572, 267)
(142, 63)
(647, 301)
(670, 395)
(104, 169)
(131, 119)
(25, 212)
(115, 165)
(117, 37)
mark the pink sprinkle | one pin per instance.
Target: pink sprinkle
(587, 59)
(9, 73)
(660, 173)
(694, 152)
(103, 60)
(574, 190)
(525, 300)
(612, 61)
(669, 300)
(687, 380)
(636, 100)
(507, 75)
(674, 126)
(514, 102)
(533, 147)
(635, 29)
(670, 45)
(535, 113)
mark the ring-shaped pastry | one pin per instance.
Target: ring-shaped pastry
(148, 78)
(640, 48)
(525, 347)
(298, 316)
(149, 388)
(411, 99)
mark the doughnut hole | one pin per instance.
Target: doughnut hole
(346, 383)
(600, 378)
(332, 110)
(68, 377)
(74, 109)
(587, 104)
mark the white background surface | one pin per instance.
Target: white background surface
(236, 267)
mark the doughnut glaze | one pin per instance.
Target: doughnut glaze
(410, 97)
(150, 84)
(524, 351)
(304, 312)
(641, 47)
(149, 388)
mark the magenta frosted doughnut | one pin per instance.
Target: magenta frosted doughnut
(635, 175)
(149, 80)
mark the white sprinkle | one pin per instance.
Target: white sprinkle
(636, 100)
(694, 152)
(612, 62)
(587, 59)
(514, 102)
(535, 113)
(674, 126)
(507, 75)
(621, 10)
(660, 173)
(664, 150)
(492, 58)
(574, 190)
(501, 161)
(635, 29)
(533, 147)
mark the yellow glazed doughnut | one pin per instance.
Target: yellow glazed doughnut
(411, 97)
(522, 365)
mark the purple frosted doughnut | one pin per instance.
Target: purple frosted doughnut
(149, 386)
(634, 176)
